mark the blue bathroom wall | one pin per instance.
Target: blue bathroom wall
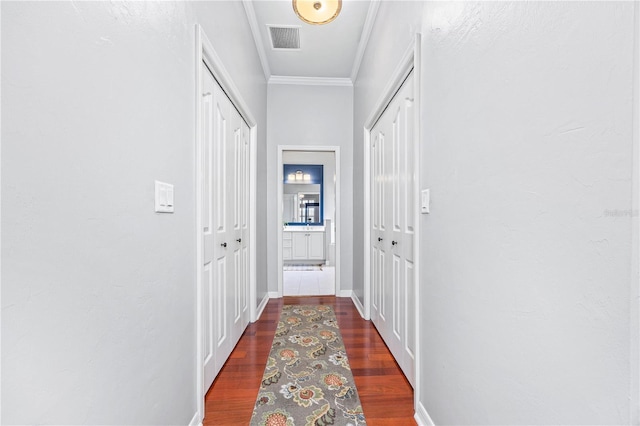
(316, 172)
(312, 169)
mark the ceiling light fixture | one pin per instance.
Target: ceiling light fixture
(317, 12)
(299, 177)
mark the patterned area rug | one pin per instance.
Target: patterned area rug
(307, 380)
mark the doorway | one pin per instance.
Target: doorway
(308, 220)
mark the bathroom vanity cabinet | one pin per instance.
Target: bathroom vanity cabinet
(303, 245)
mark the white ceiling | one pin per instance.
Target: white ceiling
(329, 53)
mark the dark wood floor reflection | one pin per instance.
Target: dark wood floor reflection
(386, 396)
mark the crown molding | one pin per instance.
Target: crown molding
(311, 81)
(314, 81)
(257, 37)
(364, 38)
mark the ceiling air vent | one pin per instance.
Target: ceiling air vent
(285, 37)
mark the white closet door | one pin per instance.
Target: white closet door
(244, 231)
(392, 228)
(225, 226)
(239, 210)
(207, 268)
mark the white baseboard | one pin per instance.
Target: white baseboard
(344, 293)
(357, 304)
(263, 304)
(274, 295)
(422, 417)
(195, 421)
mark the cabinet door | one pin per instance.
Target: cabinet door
(316, 245)
(286, 245)
(299, 246)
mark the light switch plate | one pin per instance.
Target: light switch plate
(164, 197)
(425, 199)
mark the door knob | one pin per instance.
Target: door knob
(379, 239)
(223, 244)
(239, 240)
(393, 243)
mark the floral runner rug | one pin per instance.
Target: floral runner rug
(307, 380)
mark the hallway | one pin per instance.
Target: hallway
(521, 258)
(387, 397)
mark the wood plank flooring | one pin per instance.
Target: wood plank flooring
(386, 395)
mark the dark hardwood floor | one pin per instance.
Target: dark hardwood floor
(386, 395)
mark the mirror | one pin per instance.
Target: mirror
(302, 194)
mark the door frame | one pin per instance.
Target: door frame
(338, 222)
(410, 61)
(207, 54)
(634, 407)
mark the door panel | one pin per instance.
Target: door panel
(392, 213)
(225, 229)
(375, 290)
(207, 271)
(235, 196)
(384, 286)
(410, 323)
(397, 306)
(223, 208)
(397, 204)
(244, 231)
(208, 300)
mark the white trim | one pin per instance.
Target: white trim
(257, 37)
(195, 420)
(344, 293)
(211, 58)
(274, 295)
(199, 249)
(253, 194)
(417, 89)
(338, 218)
(357, 304)
(207, 54)
(279, 221)
(0, 224)
(634, 294)
(410, 61)
(310, 81)
(422, 417)
(364, 37)
(261, 306)
(372, 13)
(405, 65)
(367, 224)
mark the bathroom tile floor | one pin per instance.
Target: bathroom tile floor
(309, 283)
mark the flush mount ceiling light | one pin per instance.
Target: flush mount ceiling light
(317, 12)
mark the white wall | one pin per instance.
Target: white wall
(634, 296)
(526, 151)
(311, 116)
(526, 261)
(98, 303)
